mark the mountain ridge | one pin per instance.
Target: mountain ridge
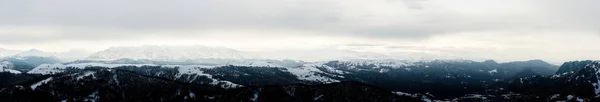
(199, 52)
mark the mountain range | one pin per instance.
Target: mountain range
(442, 80)
(186, 53)
(152, 73)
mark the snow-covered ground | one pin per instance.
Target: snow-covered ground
(196, 72)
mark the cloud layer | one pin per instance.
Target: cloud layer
(499, 29)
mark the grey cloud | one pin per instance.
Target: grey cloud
(320, 16)
(361, 45)
(187, 14)
(16, 38)
(159, 14)
(439, 49)
(413, 4)
(584, 13)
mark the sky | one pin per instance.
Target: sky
(551, 30)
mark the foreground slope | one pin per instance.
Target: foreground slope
(109, 85)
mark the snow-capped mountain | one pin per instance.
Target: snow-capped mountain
(67, 56)
(6, 52)
(35, 52)
(205, 53)
(170, 53)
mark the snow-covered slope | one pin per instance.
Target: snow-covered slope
(5, 66)
(59, 68)
(310, 72)
(190, 70)
(170, 53)
(304, 71)
(195, 71)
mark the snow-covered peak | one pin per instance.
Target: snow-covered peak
(35, 52)
(67, 56)
(170, 53)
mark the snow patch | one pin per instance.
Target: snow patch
(493, 71)
(330, 69)
(383, 70)
(580, 100)
(570, 97)
(93, 97)
(476, 96)
(115, 79)
(192, 95)
(555, 96)
(405, 94)
(318, 97)
(40, 83)
(255, 97)
(311, 73)
(86, 74)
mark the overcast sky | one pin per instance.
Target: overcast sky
(552, 30)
